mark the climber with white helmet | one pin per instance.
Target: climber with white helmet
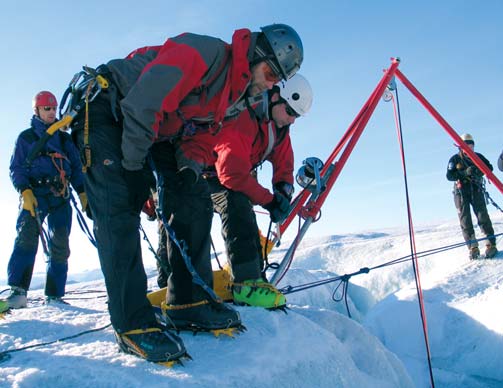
(230, 163)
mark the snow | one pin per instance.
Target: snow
(315, 344)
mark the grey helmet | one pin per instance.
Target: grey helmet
(286, 46)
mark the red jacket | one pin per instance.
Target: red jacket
(241, 147)
(189, 77)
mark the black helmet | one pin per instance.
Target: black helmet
(286, 46)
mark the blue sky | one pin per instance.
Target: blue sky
(450, 50)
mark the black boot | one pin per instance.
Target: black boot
(203, 315)
(491, 250)
(152, 344)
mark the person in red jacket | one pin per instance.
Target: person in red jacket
(156, 95)
(259, 135)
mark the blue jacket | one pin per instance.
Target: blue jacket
(43, 168)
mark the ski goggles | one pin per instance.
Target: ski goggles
(270, 75)
(290, 112)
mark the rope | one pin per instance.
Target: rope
(268, 265)
(215, 253)
(150, 247)
(415, 264)
(490, 200)
(63, 192)
(182, 247)
(295, 246)
(5, 355)
(82, 222)
(44, 237)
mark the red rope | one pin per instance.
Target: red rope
(415, 263)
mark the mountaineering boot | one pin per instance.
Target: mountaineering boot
(17, 298)
(4, 306)
(153, 344)
(54, 300)
(491, 250)
(203, 315)
(258, 293)
(474, 253)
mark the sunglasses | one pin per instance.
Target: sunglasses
(469, 142)
(290, 112)
(270, 75)
(49, 108)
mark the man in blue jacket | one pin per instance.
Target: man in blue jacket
(43, 184)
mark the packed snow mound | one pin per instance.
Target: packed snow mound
(307, 346)
(465, 327)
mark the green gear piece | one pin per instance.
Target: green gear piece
(258, 293)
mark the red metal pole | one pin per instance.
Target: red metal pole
(472, 155)
(352, 135)
(373, 101)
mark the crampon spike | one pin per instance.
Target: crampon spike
(171, 364)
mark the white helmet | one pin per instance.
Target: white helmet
(297, 92)
(467, 138)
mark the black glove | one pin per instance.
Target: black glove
(278, 208)
(284, 188)
(473, 171)
(139, 183)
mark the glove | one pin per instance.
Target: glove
(149, 209)
(138, 183)
(473, 171)
(285, 189)
(278, 208)
(29, 201)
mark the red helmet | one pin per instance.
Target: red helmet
(44, 98)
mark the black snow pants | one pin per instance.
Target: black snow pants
(187, 209)
(239, 231)
(472, 194)
(116, 221)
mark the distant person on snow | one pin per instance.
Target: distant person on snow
(43, 186)
(262, 134)
(500, 162)
(469, 190)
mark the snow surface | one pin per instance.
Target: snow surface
(315, 344)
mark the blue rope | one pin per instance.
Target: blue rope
(82, 222)
(182, 247)
(345, 278)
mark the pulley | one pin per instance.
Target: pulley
(308, 175)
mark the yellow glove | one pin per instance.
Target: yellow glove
(83, 200)
(29, 201)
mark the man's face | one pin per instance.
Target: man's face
(263, 78)
(47, 114)
(471, 145)
(281, 113)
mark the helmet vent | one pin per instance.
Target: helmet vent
(295, 96)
